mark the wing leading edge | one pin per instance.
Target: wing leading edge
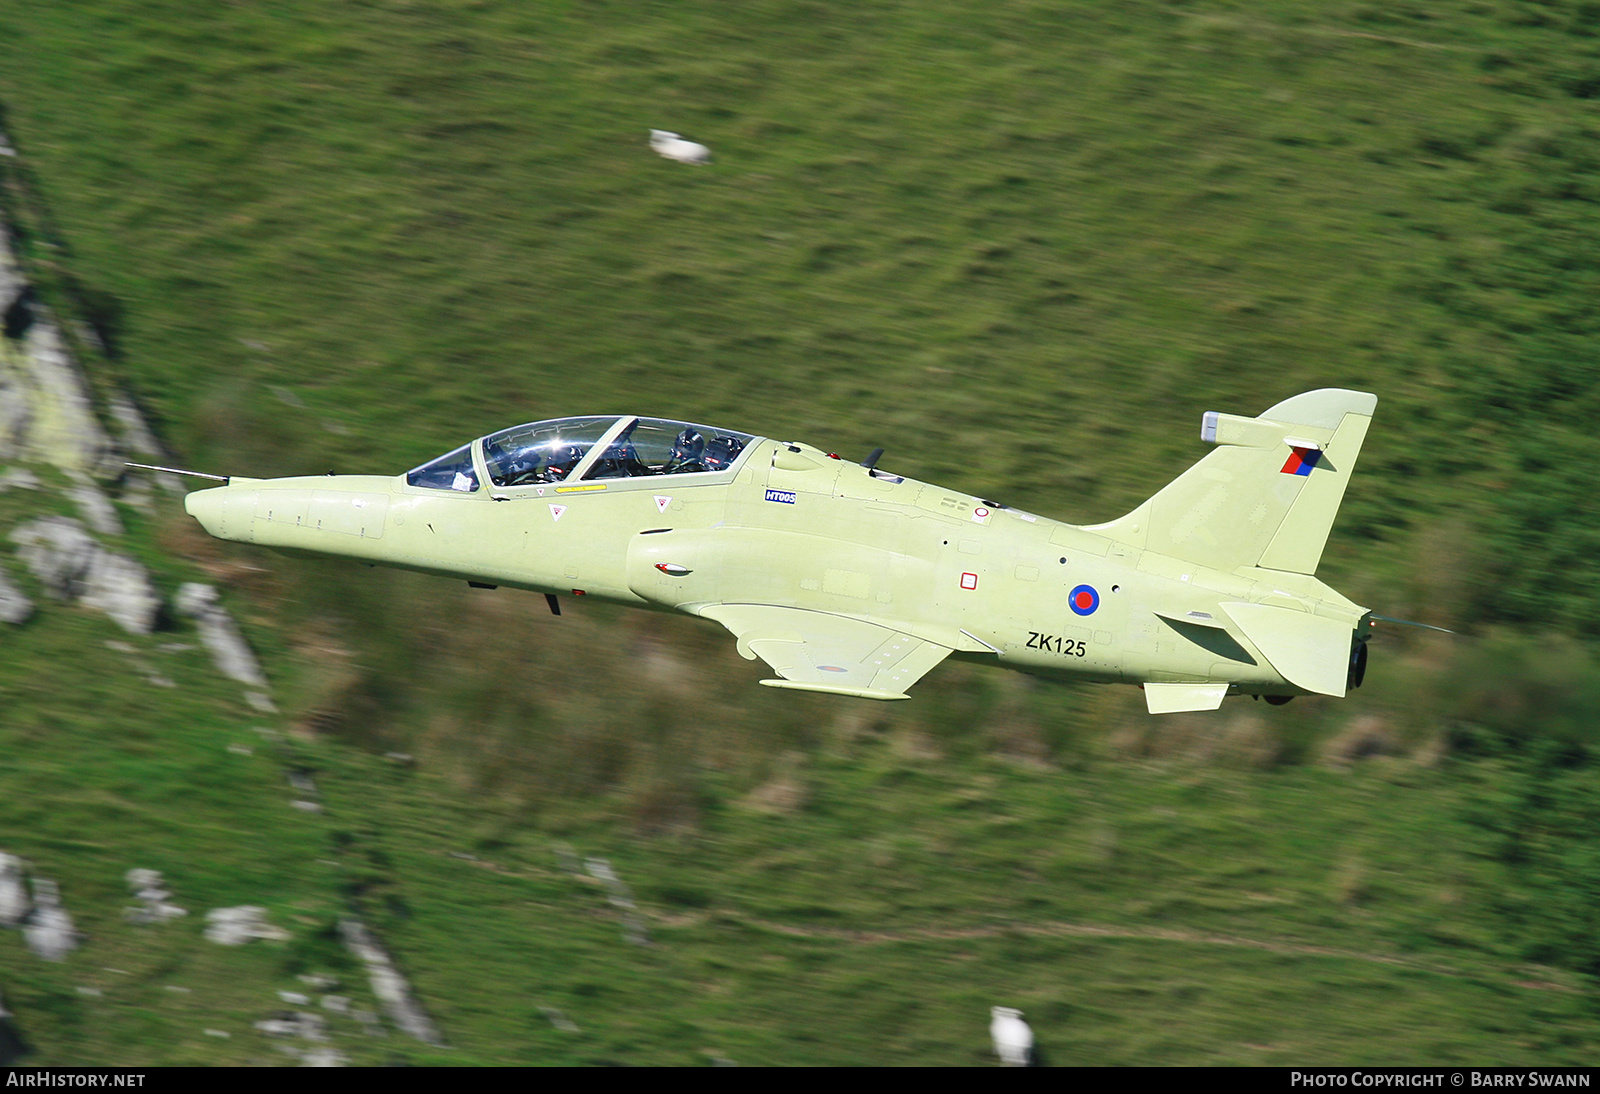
(815, 651)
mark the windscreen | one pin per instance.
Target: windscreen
(452, 471)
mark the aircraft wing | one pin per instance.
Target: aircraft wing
(815, 651)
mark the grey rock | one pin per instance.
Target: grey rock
(45, 411)
(15, 607)
(245, 923)
(12, 284)
(120, 587)
(21, 478)
(58, 552)
(154, 905)
(618, 893)
(298, 1023)
(73, 566)
(219, 634)
(138, 436)
(14, 902)
(97, 510)
(49, 931)
(388, 984)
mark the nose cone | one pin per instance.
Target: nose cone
(224, 511)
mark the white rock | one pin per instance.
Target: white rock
(97, 510)
(15, 607)
(46, 414)
(219, 633)
(295, 1024)
(236, 926)
(14, 902)
(19, 477)
(72, 566)
(49, 931)
(387, 984)
(146, 885)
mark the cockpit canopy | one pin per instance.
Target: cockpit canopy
(575, 449)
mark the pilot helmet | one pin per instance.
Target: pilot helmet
(563, 458)
(688, 447)
(720, 453)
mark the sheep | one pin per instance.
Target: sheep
(675, 147)
(1013, 1040)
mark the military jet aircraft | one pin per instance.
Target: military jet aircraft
(849, 580)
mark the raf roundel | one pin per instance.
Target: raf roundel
(1083, 600)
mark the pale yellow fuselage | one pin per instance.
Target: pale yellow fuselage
(791, 527)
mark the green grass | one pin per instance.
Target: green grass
(1021, 246)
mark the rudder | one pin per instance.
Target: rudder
(1268, 494)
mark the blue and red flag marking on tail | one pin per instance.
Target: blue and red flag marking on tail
(1083, 600)
(1301, 461)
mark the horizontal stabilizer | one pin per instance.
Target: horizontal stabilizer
(1172, 698)
(1309, 651)
(817, 651)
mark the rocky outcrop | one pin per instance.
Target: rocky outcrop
(387, 984)
(73, 566)
(219, 634)
(46, 414)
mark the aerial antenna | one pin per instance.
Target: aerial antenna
(223, 479)
(872, 461)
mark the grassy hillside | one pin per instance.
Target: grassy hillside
(1021, 246)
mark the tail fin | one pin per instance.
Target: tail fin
(1267, 496)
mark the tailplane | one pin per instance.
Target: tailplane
(1267, 496)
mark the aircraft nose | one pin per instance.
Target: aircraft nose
(222, 511)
